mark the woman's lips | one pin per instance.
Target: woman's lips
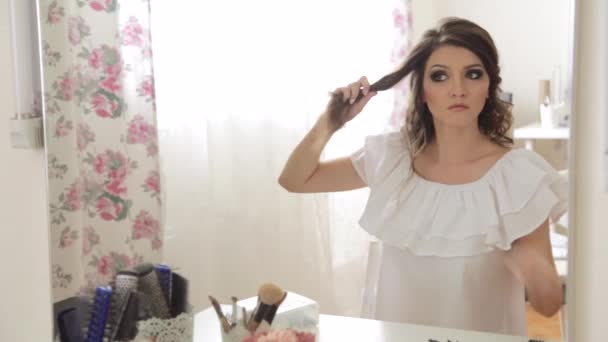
(458, 107)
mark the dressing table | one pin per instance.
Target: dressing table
(339, 328)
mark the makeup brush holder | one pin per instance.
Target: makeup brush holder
(238, 332)
(295, 312)
(178, 329)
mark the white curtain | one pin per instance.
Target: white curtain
(238, 85)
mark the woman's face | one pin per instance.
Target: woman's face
(455, 86)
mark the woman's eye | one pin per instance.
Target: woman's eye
(438, 76)
(474, 74)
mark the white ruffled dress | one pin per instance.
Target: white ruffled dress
(443, 245)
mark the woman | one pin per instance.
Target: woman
(462, 217)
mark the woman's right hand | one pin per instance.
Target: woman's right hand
(347, 102)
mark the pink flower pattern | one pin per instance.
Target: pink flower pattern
(55, 13)
(133, 33)
(62, 128)
(89, 240)
(68, 86)
(146, 88)
(77, 29)
(140, 132)
(147, 227)
(101, 221)
(84, 136)
(283, 335)
(74, 196)
(152, 183)
(108, 210)
(103, 106)
(100, 5)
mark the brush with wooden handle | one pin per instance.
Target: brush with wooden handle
(270, 296)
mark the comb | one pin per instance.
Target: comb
(149, 285)
(125, 282)
(163, 272)
(99, 314)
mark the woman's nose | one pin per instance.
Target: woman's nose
(458, 87)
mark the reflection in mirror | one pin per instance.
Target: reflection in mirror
(443, 224)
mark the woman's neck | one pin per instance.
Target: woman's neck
(456, 145)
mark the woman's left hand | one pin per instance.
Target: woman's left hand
(531, 260)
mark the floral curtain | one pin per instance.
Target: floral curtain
(402, 20)
(102, 149)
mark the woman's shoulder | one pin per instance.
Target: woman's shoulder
(380, 156)
(389, 139)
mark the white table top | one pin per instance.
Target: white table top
(339, 328)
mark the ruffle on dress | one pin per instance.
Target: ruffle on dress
(513, 198)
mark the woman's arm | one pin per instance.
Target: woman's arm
(303, 171)
(531, 258)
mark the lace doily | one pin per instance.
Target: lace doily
(178, 329)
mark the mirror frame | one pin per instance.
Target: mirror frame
(570, 320)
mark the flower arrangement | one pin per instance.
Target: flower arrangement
(282, 335)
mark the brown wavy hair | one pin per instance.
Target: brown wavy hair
(495, 118)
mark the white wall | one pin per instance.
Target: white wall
(25, 312)
(590, 197)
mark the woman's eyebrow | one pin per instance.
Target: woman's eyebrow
(466, 67)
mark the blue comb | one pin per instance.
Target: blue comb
(164, 274)
(99, 314)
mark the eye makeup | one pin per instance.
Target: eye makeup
(441, 75)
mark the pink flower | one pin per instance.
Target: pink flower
(284, 335)
(55, 13)
(113, 163)
(101, 162)
(113, 69)
(132, 33)
(152, 149)
(90, 239)
(66, 241)
(68, 87)
(62, 128)
(147, 52)
(103, 106)
(145, 227)
(107, 209)
(106, 266)
(140, 132)
(111, 84)
(84, 136)
(146, 88)
(398, 19)
(96, 58)
(152, 183)
(74, 196)
(77, 29)
(119, 168)
(116, 187)
(100, 5)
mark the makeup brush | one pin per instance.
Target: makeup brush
(220, 315)
(270, 296)
(274, 296)
(235, 312)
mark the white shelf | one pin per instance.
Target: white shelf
(535, 131)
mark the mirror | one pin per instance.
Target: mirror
(233, 87)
